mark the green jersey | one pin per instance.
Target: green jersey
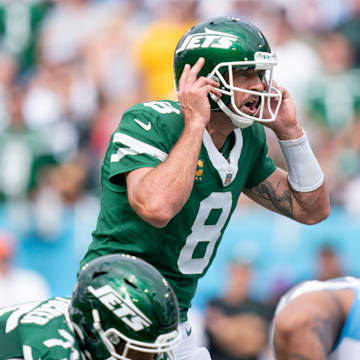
(38, 331)
(184, 249)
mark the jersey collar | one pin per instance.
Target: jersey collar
(227, 169)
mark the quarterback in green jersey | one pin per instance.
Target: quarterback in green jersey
(121, 308)
(173, 171)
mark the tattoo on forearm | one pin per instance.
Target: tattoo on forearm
(281, 202)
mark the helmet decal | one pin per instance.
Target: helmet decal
(209, 38)
(123, 308)
(264, 60)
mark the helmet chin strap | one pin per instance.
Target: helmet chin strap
(239, 121)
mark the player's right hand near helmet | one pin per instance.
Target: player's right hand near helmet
(193, 95)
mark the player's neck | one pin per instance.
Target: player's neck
(219, 128)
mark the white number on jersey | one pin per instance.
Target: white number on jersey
(69, 343)
(201, 232)
(163, 107)
(17, 311)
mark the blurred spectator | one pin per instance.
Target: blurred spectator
(62, 101)
(352, 195)
(60, 213)
(328, 263)
(334, 96)
(155, 49)
(68, 26)
(351, 28)
(106, 120)
(255, 11)
(315, 16)
(236, 324)
(109, 63)
(20, 22)
(108, 55)
(23, 153)
(62, 186)
(333, 105)
(333, 14)
(212, 8)
(297, 59)
(8, 73)
(17, 285)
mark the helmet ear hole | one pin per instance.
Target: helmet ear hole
(98, 273)
(89, 333)
(127, 281)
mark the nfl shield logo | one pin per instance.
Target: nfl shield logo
(228, 179)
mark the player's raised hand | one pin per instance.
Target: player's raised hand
(193, 94)
(286, 125)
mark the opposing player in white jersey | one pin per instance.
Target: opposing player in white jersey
(318, 320)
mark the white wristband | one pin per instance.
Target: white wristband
(304, 171)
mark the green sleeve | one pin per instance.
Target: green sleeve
(139, 141)
(263, 167)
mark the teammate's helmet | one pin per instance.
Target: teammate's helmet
(227, 43)
(123, 302)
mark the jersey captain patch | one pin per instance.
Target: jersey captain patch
(199, 170)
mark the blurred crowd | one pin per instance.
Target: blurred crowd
(69, 68)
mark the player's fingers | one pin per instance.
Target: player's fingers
(210, 89)
(216, 92)
(184, 75)
(273, 85)
(201, 81)
(197, 67)
(285, 94)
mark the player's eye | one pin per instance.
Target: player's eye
(241, 72)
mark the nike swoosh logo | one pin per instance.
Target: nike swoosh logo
(188, 331)
(146, 127)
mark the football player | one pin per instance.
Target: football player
(175, 170)
(121, 308)
(319, 320)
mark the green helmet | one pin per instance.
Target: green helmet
(120, 304)
(227, 43)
